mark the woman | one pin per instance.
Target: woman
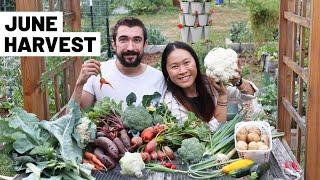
(189, 90)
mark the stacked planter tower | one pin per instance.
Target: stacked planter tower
(195, 18)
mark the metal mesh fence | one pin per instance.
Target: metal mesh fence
(95, 17)
(7, 5)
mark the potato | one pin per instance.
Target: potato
(243, 130)
(254, 129)
(253, 137)
(241, 136)
(242, 145)
(252, 146)
(260, 143)
(265, 139)
(263, 147)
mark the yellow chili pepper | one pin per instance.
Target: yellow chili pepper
(242, 163)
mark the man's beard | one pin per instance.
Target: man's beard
(123, 61)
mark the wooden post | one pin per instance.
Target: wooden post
(75, 26)
(289, 75)
(283, 36)
(35, 100)
(303, 13)
(313, 109)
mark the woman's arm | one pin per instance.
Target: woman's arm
(220, 112)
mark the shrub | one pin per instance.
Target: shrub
(239, 32)
(137, 7)
(263, 16)
(155, 37)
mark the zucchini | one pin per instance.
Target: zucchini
(238, 173)
(242, 163)
(258, 170)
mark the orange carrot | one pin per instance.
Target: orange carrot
(104, 81)
(159, 128)
(148, 134)
(93, 158)
(87, 161)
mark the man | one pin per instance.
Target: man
(126, 73)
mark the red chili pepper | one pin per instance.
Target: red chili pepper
(173, 166)
(295, 166)
(287, 165)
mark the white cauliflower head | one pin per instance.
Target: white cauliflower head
(132, 164)
(221, 64)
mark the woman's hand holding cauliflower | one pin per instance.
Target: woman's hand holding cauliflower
(222, 64)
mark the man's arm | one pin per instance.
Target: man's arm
(83, 98)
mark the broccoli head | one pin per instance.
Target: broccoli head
(157, 118)
(136, 118)
(191, 150)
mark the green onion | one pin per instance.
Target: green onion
(160, 168)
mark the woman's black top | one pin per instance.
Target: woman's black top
(195, 101)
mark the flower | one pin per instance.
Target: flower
(211, 11)
(180, 26)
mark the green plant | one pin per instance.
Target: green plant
(268, 99)
(138, 7)
(269, 48)
(10, 80)
(263, 17)
(45, 146)
(155, 37)
(245, 70)
(5, 161)
(239, 32)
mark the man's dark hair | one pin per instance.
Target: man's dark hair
(130, 22)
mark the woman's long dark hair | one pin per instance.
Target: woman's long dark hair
(202, 87)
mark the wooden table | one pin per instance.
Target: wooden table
(280, 154)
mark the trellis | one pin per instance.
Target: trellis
(294, 20)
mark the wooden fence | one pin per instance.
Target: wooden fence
(298, 68)
(36, 98)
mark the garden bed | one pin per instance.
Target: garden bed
(239, 47)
